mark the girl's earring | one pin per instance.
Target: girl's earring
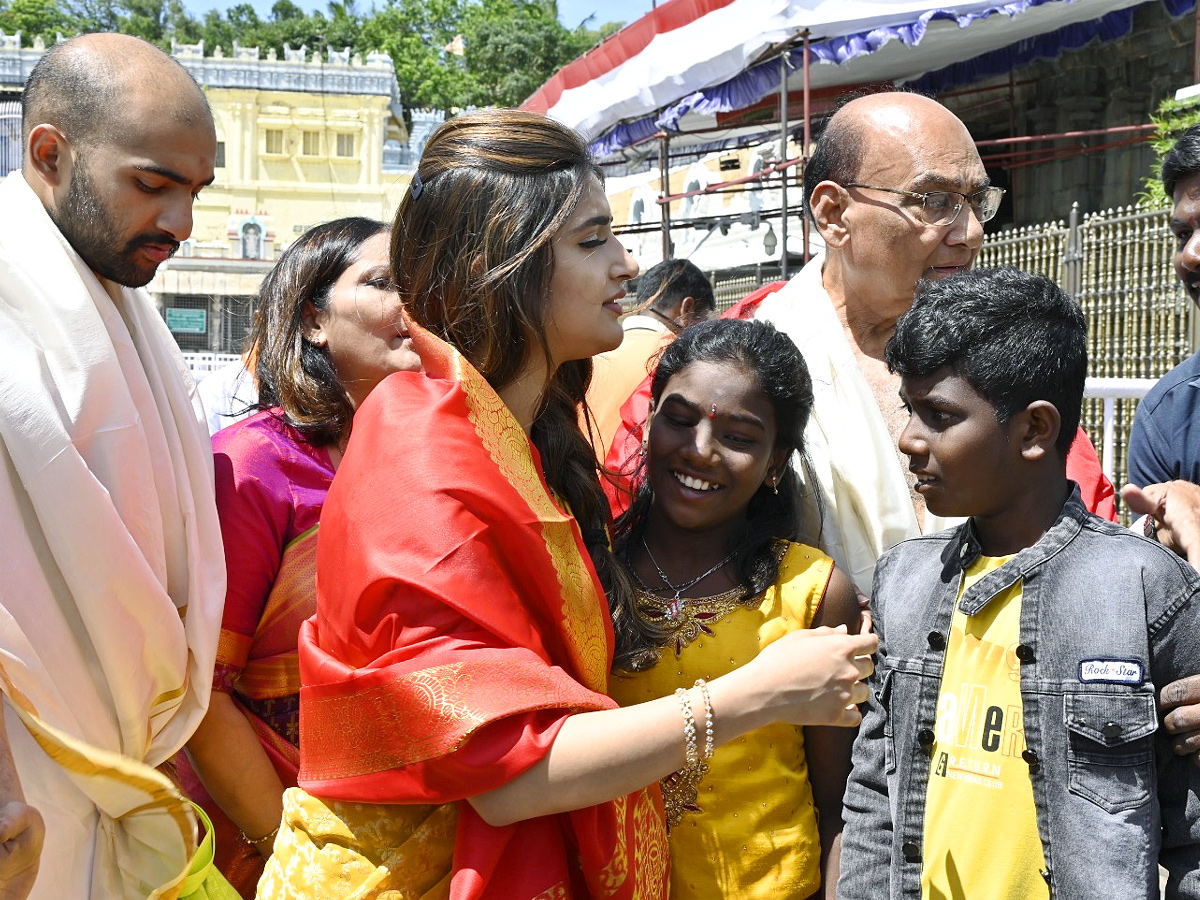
(775, 485)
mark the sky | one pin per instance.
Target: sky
(570, 12)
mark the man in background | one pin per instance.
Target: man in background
(670, 296)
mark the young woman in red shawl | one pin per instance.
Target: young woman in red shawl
(456, 738)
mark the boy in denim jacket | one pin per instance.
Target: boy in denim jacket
(1011, 747)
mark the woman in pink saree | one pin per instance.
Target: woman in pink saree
(327, 330)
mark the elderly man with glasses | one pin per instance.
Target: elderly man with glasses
(898, 192)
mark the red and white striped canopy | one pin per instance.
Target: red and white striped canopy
(686, 46)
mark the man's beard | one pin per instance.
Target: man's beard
(93, 231)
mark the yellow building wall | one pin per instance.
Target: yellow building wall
(291, 190)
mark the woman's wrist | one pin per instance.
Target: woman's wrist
(737, 703)
(263, 844)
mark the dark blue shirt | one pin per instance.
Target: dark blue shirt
(1164, 443)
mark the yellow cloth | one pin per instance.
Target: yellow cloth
(981, 838)
(755, 834)
(360, 851)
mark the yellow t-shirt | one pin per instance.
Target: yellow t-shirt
(752, 829)
(981, 838)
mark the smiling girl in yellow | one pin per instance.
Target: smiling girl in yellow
(711, 543)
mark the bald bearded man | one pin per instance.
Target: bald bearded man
(113, 581)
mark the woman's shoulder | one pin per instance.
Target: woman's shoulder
(800, 587)
(800, 561)
(265, 443)
(266, 431)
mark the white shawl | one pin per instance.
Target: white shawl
(867, 505)
(112, 575)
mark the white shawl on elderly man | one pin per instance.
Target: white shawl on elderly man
(112, 573)
(866, 501)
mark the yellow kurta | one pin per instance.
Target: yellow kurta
(981, 837)
(753, 829)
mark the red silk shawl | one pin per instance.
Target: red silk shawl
(459, 622)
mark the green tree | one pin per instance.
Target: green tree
(514, 46)
(1172, 118)
(415, 34)
(146, 19)
(216, 31)
(285, 10)
(35, 18)
(96, 15)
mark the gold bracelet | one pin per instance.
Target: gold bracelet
(708, 718)
(255, 842)
(689, 728)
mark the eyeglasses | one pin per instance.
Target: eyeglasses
(943, 207)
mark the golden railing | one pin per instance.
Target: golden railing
(1118, 265)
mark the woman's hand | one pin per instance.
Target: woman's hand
(810, 677)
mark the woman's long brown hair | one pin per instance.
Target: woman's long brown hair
(472, 256)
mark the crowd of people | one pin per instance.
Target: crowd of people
(484, 592)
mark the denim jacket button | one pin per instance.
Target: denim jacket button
(1024, 653)
(937, 640)
(1030, 757)
(1111, 730)
(912, 853)
(926, 737)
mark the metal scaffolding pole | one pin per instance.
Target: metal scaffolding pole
(783, 154)
(664, 176)
(804, 218)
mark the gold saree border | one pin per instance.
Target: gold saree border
(433, 710)
(508, 446)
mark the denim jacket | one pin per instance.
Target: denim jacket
(1107, 618)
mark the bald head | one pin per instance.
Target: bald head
(881, 123)
(97, 86)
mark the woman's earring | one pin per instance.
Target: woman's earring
(775, 485)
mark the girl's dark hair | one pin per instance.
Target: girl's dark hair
(772, 358)
(292, 372)
(1014, 337)
(472, 256)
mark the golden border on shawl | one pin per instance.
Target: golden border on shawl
(294, 590)
(81, 759)
(614, 873)
(292, 599)
(233, 648)
(167, 697)
(421, 715)
(650, 851)
(270, 677)
(508, 446)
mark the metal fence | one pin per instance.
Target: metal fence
(1118, 265)
(10, 136)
